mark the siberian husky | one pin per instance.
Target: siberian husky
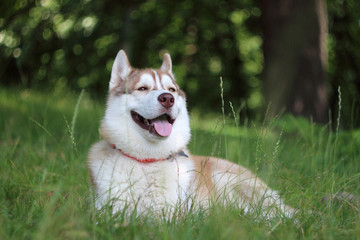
(142, 163)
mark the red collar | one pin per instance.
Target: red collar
(147, 160)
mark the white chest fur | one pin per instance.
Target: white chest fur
(127, 184)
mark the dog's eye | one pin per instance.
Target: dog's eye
(172, 90)
(142, 88)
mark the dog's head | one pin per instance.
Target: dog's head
(146, 113)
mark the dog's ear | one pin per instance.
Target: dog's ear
(120, 69)
(166, 65)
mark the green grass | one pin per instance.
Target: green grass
(45, 190)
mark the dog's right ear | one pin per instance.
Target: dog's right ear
(120, 69)
(166, 65)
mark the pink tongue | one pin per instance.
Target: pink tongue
(162, 127)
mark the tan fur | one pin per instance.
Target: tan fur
(134, 78)
(216, 177)
(203, 178)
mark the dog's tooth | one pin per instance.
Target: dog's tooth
(146, 121)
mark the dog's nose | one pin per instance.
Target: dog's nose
(166, 100)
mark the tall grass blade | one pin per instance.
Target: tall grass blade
(234, 114)
(73, 143)
(71, 128)
(76, 111)
(339, 112)
(43, 128)
(223, 112)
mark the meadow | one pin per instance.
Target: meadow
(46, 193)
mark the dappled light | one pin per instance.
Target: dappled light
(79, 43)
(47, 44)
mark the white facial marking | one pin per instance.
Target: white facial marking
(157, 80)
(167, 82)
(146, 80)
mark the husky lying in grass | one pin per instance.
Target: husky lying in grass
(142, 163)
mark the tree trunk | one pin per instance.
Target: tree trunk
(295, 57)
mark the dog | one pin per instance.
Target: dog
(142, 163)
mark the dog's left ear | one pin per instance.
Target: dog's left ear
(120, 69)
(166, 65)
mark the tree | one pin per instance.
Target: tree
(295, 55)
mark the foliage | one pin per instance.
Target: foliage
(45, 186)
(344, 58)
(60, 43)
(57, 44)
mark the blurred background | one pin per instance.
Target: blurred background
(273, 56)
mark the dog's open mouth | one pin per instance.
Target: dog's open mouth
(160, 126)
